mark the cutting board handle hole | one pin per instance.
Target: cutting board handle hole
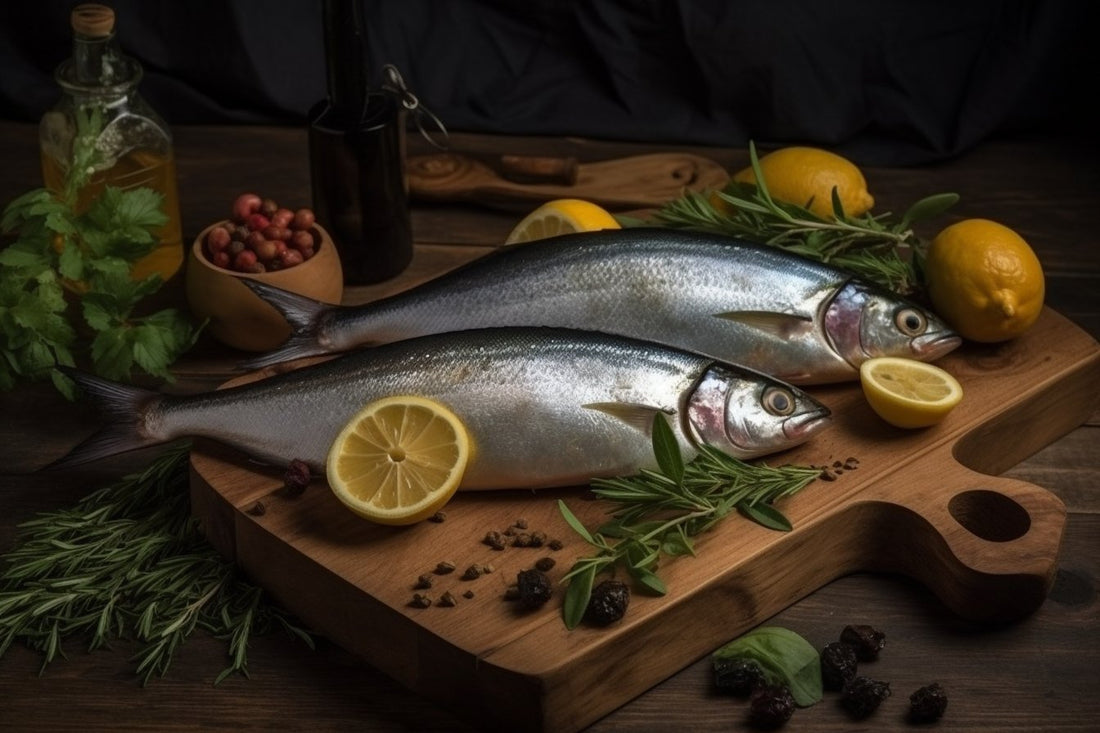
(990, 515)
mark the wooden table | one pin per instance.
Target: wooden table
(1038, 674)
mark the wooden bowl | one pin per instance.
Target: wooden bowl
(240, 318)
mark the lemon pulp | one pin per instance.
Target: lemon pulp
(561, 216)
(908, 393)
(399, 459)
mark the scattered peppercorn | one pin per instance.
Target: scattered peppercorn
(423, 582)
(472, 573)
(607, 603)
(258, 509)
(494, 540)
(420, 601)
(863, 695)
(928, 703)
(851, 463)
(738, 676)
(438, 517)
(468, 594)
(866, 640)
(520, 523)
(770, 707)
(545, 564)
(838, 665)
(296, 478)
(444, 567)
(511, 593)
(534, 587)
(448, 600)
(555, 545)
(537, 539)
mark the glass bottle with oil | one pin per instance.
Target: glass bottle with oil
(103, 133)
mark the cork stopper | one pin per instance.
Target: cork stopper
(93, 20)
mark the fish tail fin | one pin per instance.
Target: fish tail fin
(123, 409)
(306, 317)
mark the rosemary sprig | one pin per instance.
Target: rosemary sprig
(874, 247)
(659, 512)
(129, 562)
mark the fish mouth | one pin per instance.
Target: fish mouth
(933, 346)
(800, 427)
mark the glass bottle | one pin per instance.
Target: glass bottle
(103, 133)
(356, 154)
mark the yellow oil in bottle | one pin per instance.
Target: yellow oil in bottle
(135, 169)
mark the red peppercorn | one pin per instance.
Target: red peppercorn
(258, 222)
(217, 239)
(244, 259)
(302, 240)
(303, 219)
(282, 218)
(244, 206)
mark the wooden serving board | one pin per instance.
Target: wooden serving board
(640, 181)
(924, 503)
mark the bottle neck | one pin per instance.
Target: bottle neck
(98, 68)
(345, 57)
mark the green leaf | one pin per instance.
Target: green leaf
(784, 657)
(678, 543)
(577, 596)
(666, 450)
(648, 580)
(766, 515)
(576, 524)
(928, 207)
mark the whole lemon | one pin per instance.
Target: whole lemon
(984, 280)
(807, 176)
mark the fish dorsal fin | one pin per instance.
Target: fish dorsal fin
(639, 417)
(783, 325)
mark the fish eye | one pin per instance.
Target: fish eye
(778, 401)
(911, 321)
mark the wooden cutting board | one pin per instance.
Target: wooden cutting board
(640, 181)
(924, 503)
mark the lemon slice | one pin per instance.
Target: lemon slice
(561, 216)
(908, 393)
(399, 460)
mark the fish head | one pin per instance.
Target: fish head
(862, 322)
(747, 414)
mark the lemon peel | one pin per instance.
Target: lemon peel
(908, 393)
(561, 216)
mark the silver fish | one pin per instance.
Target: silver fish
(544, 407)
(778, 313)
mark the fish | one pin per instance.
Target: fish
(543, 407)
(801, 321)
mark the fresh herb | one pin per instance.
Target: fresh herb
(66, 290)
(129, 562)
(659, 512)
(784, 657)
(874, 247)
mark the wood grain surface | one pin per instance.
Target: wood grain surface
(1034, 674)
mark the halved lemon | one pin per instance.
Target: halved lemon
(908, 393)
(561, 216)
(399, 460)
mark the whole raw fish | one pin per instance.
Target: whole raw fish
(544, 407)
(785, 315)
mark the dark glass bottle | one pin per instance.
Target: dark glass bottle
(356, 153)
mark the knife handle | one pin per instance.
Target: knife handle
(539, 169)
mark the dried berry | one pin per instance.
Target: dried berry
(770, 707)
(545, 564)
(927, 704)
(444, 567)
(423, 582)
(296, 478)
(468, 594)
(447, 600)
(439, 517)
(608, 603)
(494, 540)
(738, 676)
(534, 588)
(472, 573)
(555, 544)
(865, 640)
(258, 509)
(838, 665)
(420, 601)
(863, 695)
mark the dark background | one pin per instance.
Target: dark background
(886, 82)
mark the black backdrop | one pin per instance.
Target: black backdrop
(883, 81)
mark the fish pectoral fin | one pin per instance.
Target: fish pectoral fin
(783, 325)
(636, 416)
